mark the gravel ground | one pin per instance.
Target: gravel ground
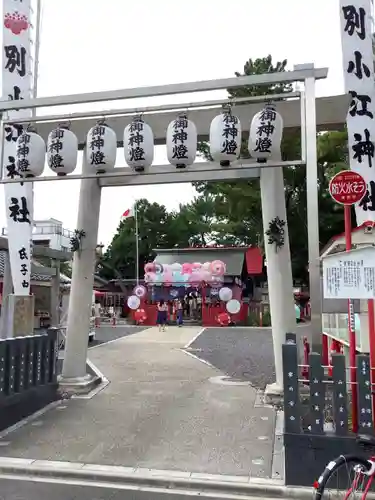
(241, 353)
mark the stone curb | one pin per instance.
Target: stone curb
(163, 479)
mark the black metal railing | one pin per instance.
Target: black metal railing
(318, 422)
(27, 363)
(323, 404)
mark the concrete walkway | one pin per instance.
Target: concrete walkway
(163, 409)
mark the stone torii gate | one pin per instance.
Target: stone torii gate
(298, 110)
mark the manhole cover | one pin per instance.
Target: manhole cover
(225, 380)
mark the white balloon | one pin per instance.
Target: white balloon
(233, 306)
(225, 294)
(140, 291)
(133, 302)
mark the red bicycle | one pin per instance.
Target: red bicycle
(348, 476)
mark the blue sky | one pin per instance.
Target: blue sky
(94, 45)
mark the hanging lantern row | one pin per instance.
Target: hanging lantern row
(181, 140)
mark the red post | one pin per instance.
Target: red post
(351, 327)
(371, 328)
(325, 355)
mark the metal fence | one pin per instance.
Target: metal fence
(27, 363)
(320, 404)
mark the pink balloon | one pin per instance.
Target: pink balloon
(218, 268)
(205, 275)
(196, 266)
(167, 279)
(187, 268)
(150, 277)
(149, 267)
(195, 279)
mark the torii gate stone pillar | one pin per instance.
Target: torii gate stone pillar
(279, 271)
(74, 377)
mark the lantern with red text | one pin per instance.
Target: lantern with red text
(223, 319)
(140, 316)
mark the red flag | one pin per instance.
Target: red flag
(128, 213)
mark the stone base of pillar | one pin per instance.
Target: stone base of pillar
(78, 385)
(19, 315)
(274, 394)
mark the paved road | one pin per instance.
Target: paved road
(241, 353)
(106, 334)
(30, 490)
(162, 409)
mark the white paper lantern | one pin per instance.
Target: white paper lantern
(266, 132)
(62, 151)
(225, 138)
(138, 145)
(101, 148)
(133, 302)
(182, 142)
(233, 306)
(30, 154)
(225, 294)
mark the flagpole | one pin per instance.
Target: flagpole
(136, 243)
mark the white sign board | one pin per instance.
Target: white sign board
(350, 275)
(358, 66)
(17, 81)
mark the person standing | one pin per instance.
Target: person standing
(193, 307)
(180, 312)
(162, 315)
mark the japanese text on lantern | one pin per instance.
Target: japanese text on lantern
(358, 68)
(265, 130)
(179, 138)
(135, 141)
(56, 147)
(230, 134)
(23, 151)
(96, 146)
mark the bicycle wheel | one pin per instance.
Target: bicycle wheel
(345, 477)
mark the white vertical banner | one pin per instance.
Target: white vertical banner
(17, 81)
(358, 65)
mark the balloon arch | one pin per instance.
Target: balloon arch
(185, 275)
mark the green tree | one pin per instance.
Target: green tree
(157, 228)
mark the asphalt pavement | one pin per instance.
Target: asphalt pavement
(21, 489)
(242, 353)
(163, 410)
(105, 334)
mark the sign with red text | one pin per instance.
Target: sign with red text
(347, 187)
(356, 20)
